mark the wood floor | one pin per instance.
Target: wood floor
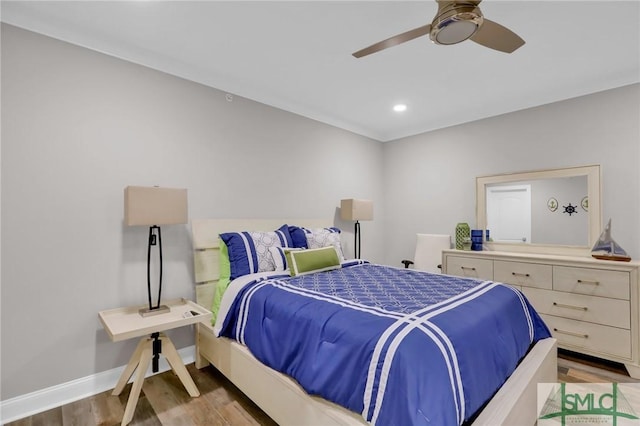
(164, 402)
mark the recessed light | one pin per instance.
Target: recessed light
(399, 107)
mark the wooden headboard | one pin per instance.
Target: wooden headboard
(206, 249)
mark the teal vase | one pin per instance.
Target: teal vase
(462, 232)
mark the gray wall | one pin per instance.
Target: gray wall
(79, 126)
(429, 179)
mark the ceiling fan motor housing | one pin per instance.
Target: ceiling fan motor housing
(455, 22)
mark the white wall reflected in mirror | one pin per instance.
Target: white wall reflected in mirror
(541, 211)
(550, 211)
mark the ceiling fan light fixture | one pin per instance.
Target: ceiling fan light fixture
(455, 21)
(455, 24)
(455, 32)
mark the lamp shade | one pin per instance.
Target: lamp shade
(352, 209)
(144, 205)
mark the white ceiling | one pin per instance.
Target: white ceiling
(296, 55)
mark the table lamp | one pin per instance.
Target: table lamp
(352, 209)
(154, 206)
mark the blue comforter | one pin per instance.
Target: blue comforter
(401, 347)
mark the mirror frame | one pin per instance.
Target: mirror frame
(594, 218)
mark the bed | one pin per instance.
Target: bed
(284, 400)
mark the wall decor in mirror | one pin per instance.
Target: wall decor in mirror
(554, 211)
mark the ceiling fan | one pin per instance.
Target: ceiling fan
(454, 22)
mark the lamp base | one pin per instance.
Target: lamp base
(162, 309)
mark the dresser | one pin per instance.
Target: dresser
(590, 305)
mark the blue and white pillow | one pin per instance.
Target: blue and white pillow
(324, 237)
(249, 250)
(279, 255)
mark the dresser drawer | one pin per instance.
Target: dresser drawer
(470, 267)
(584, 336)
(599, 310)
(523, 274)
(596, 282)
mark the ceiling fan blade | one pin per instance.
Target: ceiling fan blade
(495, 36)
(393, 41)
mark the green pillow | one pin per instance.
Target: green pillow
(312, 260)
(223, 281)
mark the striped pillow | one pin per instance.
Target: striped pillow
(249, 250)
(279, 256)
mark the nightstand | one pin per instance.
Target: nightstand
(126, 323)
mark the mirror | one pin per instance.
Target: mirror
(551, 211)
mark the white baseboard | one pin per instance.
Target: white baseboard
(55, 396)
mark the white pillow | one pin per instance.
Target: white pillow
(324, 237)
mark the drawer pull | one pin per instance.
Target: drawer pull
(588, 282)
(466, 267)
(571, 333)
(562, 305)
(518, 274)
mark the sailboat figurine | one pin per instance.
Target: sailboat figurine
(607, 249)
